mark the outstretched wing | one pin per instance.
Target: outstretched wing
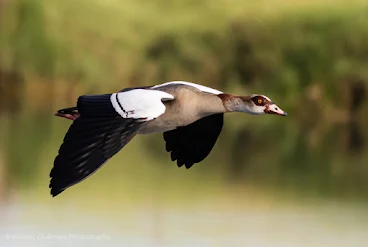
(192, 143)
(106, 124)
(88, 144)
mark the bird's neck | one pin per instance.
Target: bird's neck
(235, 103)
(210, 104)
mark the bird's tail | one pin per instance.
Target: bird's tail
(89, 106)
(68, 113)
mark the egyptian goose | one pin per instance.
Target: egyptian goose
(189, 115)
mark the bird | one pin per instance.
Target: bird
(189, 115)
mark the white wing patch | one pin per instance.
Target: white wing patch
(200, 87)
(140, 103)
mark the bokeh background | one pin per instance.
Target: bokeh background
(270, 181)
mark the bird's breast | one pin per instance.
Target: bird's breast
(176, 115)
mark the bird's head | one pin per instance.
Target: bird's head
(260, 104)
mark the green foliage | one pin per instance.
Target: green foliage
(97, 42)
(281, 55)
(26, 41)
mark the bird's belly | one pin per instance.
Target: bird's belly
(150, 128)
(164, 123)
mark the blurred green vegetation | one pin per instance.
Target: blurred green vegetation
(113, 44)
(309, 57)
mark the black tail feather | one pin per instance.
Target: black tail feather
(69, 110)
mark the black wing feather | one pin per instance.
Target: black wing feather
(81, 155)
(193, 143)
(97, 135)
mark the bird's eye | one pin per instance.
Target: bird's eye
(259, 101)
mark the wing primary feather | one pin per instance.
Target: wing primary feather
(79, 158)
(192, 143)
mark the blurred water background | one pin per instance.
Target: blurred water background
(269, 181)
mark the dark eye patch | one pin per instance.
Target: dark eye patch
(259, 100)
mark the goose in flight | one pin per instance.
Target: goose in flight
(189, 115)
